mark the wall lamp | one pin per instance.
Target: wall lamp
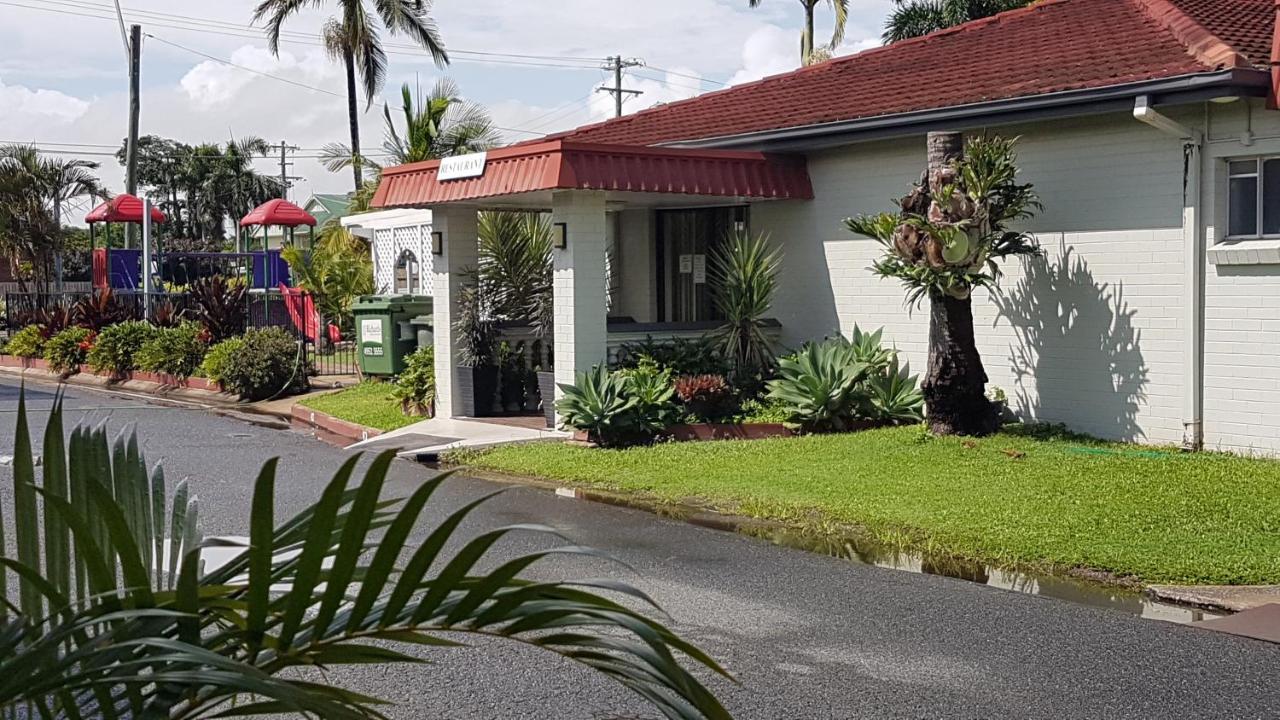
(561, 237)
(437, 243)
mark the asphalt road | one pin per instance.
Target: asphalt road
(809, 637)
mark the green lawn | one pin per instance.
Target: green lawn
(368, 404)
(1011, 499)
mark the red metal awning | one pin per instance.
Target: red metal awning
(278, 212)
(566, 165)
(123, 208)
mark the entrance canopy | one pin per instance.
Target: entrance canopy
(278, 213)
(530, 171)
(123, 208)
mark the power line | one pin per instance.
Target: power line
(617, 65)
(686, 75)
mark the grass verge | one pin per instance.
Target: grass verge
(1025, 498)
(369, 404)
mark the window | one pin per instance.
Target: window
(407, 273)
(1253, 197)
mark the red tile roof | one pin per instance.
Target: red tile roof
(1052, 46)
(559, 164)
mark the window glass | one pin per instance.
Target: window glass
(1271, 197)
(1244, 206)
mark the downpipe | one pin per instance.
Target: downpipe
(1193, 263)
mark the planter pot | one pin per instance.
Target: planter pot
(547, 389)
(483, 390)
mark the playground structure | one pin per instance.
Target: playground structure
(264, 270)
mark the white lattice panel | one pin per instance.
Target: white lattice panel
(384, 260)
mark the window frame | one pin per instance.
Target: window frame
(1259, 162)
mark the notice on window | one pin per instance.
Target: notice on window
(699, 269)
(371, 330)
(686, 264)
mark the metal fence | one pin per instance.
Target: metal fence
(325, 352)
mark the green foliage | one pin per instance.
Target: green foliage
(913, 18)
(949, 244)
(115, 348)
(654, 392)
(893, 395)
(176, 351)
(475, 331)
(514, 267)
(115, 616)
(600, 405)
(819, 386)
(218, 359)
(27, 343)
(68, 350)
(267, 364)
(219, 304)
(338, 270)
(767, 411)
(744, 279)
(682, 356)
(416, 386)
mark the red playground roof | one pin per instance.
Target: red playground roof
(123, 208)
(278, 212)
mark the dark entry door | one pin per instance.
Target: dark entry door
(686, 241)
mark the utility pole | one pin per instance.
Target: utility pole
(135, 108)
(285, 178)
(617, 65)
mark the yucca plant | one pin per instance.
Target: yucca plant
(744, 279)
(115, 616)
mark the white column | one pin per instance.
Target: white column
(458, 226)
(579, 284)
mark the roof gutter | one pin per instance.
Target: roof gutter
(1193, 265)
(1068, 103)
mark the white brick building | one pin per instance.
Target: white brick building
(1153, 314)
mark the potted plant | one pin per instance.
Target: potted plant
(511, 366)
(476, 337)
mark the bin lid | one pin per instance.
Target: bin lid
(423, 320)
(375, 303)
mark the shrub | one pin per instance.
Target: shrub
(68, 350)
(267, 364)
(174, 351)
(744, 279)
(682, 356)
(416, 386)
(27, 342)
(819, 386)
(706, 397)
(599, 405)
(218, 359)
(116, 348)
(654, 393)
(893, 395)
(100, 309)
(763, 411)
(219, 305)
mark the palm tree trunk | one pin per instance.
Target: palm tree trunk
(806, 39)
(955, 384)
(354, 118)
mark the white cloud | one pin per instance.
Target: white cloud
(24, 105)
(768, 51)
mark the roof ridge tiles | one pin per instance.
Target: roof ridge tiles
(1201, 44)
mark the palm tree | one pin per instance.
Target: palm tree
(913, 18)
(36, 189)
(115, 615)
(354, 38)
(809, 52)
(441, 124)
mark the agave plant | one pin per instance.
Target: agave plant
(893, 395)
(868, 348)
(115, 616)
(600, 405)
(818, 386)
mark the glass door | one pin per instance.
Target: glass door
(686, 241)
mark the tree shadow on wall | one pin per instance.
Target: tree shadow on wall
(1078, 358)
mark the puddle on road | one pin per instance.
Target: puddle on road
(1058, 587)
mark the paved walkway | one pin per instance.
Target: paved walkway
(437, 435)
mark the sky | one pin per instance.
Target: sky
(534, 65)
